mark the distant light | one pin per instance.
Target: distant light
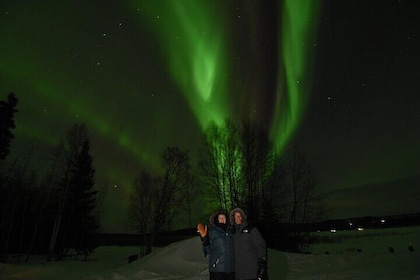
(360, 229)
(115, 186)
(383, 221)
(333, 230)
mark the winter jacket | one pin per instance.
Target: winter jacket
(220, 250)
(249, 246)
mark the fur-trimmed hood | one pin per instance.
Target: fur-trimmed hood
(213, 218)
(242, 213)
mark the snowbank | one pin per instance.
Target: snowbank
(357, 255)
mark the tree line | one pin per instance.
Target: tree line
(55, 213)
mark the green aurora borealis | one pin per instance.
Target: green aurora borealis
(143, 75)
(196, 41)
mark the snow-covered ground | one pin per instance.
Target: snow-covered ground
(352, 255)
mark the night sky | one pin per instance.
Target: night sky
(341, 78)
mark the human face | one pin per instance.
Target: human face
(238, 218)
(222, 219)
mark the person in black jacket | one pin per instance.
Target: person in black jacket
(250, 248)
(218, 245)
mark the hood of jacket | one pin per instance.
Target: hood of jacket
(242, 213)
(213, 220)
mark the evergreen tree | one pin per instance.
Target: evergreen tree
(75, 221)
(7, 123)
(84, 198)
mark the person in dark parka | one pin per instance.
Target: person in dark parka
(218, 245)
(250, 248)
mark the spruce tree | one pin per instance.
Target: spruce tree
(7, 123)
(75, 223)
(85, 202)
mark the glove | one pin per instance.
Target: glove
(202, 231)
(262, 269)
